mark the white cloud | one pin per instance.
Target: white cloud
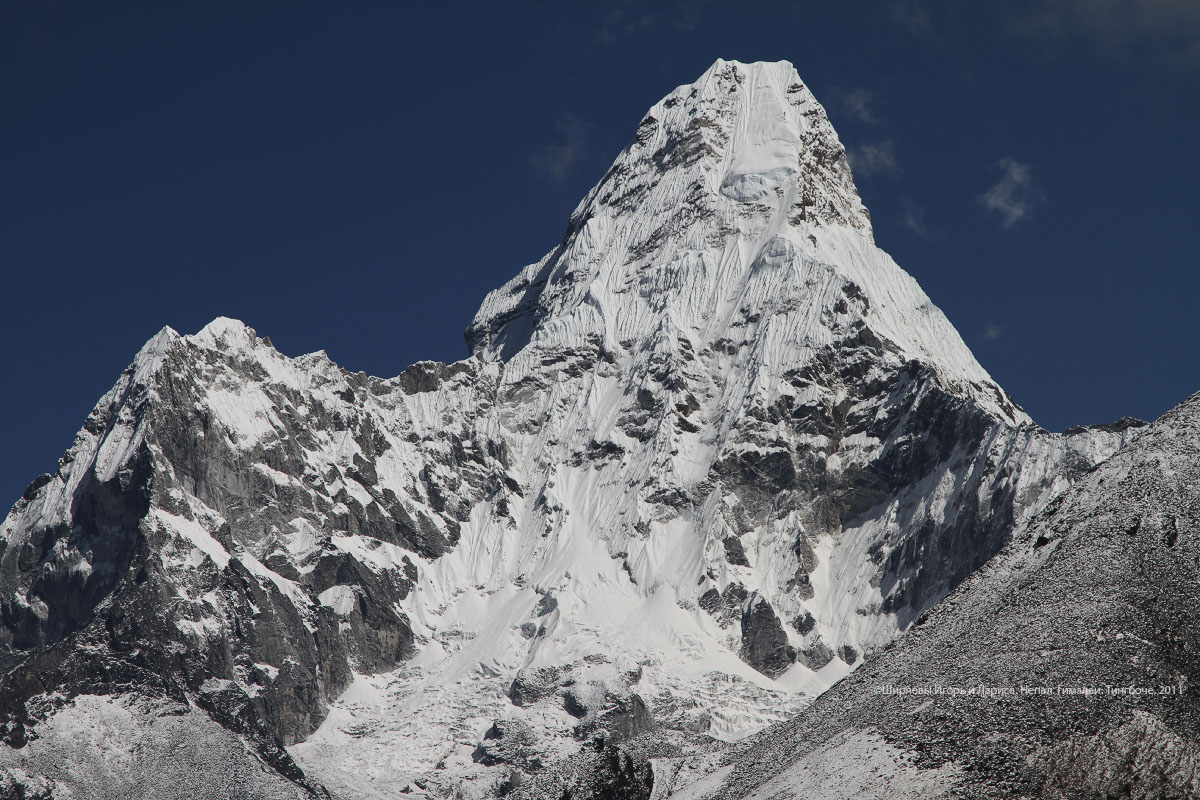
(1015, 196)
(616, 21)
(858, 104)
(992, 332)
(914, 219)
(873, 158)
(1170, 27)
(623, 21)
(556, 160)
(912, 16)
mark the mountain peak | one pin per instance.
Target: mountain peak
(753, 130)
(726, 178)
(225, 331)
(730, 220)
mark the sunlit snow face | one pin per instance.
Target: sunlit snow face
(753, 187)
(767, 139)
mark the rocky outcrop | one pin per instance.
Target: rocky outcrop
(764, 642)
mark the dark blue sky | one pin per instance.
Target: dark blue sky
(356, 176)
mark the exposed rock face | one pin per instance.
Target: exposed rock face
(189, 544)
(509, 742)
(1082, 632)
(764, 642)
(707, 456)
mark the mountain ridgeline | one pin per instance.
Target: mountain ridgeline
(713, 454)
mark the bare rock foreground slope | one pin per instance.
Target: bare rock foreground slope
(1066, 667)
(712, 455)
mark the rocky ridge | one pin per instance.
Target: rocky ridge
(1064, 668)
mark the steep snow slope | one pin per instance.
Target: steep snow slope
(710, 452)
(1083, 628)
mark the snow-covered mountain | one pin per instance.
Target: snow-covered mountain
(706, 456)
